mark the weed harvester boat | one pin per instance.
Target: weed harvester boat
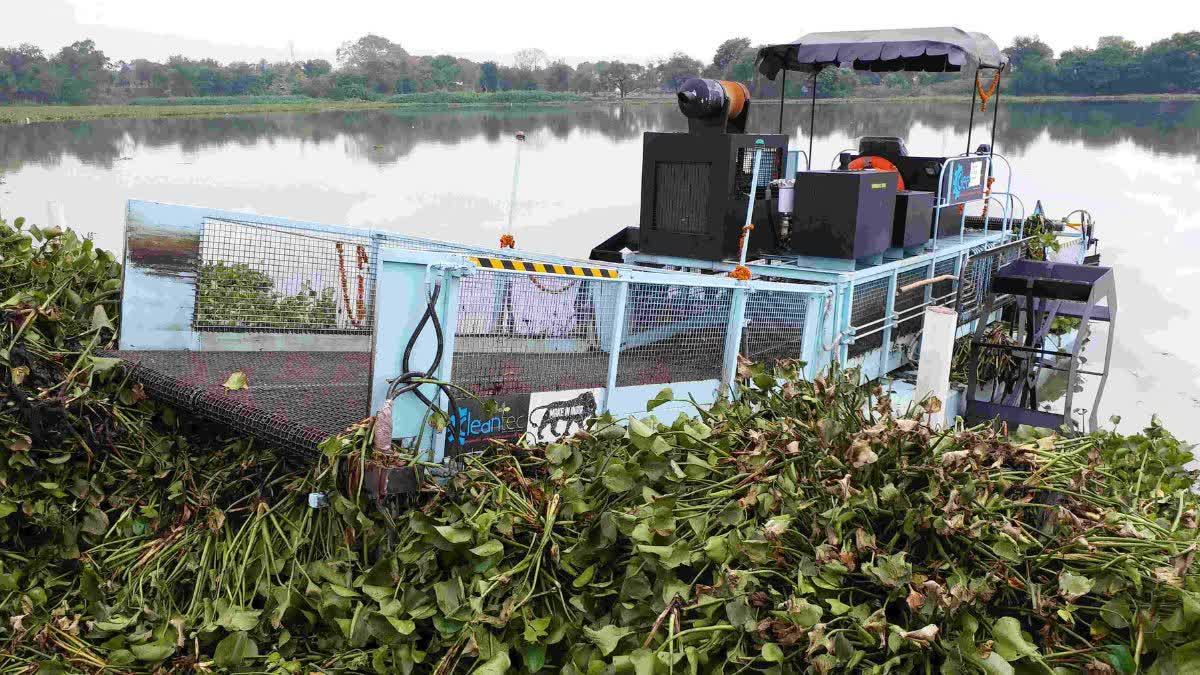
(743, 250)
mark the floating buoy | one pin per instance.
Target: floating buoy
(878, 163)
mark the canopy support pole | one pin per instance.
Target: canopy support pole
(812, 120)
(782, 97)
(971, 121)
(995, 115)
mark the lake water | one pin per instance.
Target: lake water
(447, 174)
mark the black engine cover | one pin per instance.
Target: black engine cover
(695, 188)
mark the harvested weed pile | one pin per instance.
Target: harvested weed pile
(805, 528)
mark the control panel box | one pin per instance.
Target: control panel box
(914, 213)
(843, 214)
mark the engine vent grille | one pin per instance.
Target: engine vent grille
(681, 197)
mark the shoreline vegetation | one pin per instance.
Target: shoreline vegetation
(373, 72)
(215, 106)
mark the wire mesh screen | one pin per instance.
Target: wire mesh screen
(943, 291)
(908, 312)
(775, 325)
(519, 333)
(293, 400)
(673, 333)
(262, 277)
(769, 168)
(866, 315)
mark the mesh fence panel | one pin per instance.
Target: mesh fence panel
(979, 270)
(970, 277)
(910, 318)
(866, 313)
(943, 291)
(260, 277)
(775, 325)
(519, 333)
(870, 304)
(673, 333)
(284, 279)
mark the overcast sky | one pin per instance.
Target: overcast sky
(636, 30)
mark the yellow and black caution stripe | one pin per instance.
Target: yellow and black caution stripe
(544, 268)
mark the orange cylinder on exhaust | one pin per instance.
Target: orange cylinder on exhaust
(738, 94)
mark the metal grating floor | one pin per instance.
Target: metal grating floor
(294, 400)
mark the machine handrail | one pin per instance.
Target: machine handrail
(1016, 201)
(1005, 213)
(838, 156)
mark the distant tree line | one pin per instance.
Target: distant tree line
(1114, 66)
(374, 67)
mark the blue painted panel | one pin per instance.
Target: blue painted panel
(156, 311)
(963, 179)
(404, 281)
(625, 401)
(162, 247)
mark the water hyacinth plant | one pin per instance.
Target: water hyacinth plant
(803, 527)
(237, 295)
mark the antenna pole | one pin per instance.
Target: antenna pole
(971, 120)
(812, 120)
(512, 200)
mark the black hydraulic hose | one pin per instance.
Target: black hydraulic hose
(429, 315)
(411, 380)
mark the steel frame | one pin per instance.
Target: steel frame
(1036, 311)
(406, 267)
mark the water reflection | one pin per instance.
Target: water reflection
(382, 137)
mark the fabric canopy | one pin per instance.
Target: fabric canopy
(933, 50)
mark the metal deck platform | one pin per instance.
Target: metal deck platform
(294, 399)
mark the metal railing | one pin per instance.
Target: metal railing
(520, 332)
